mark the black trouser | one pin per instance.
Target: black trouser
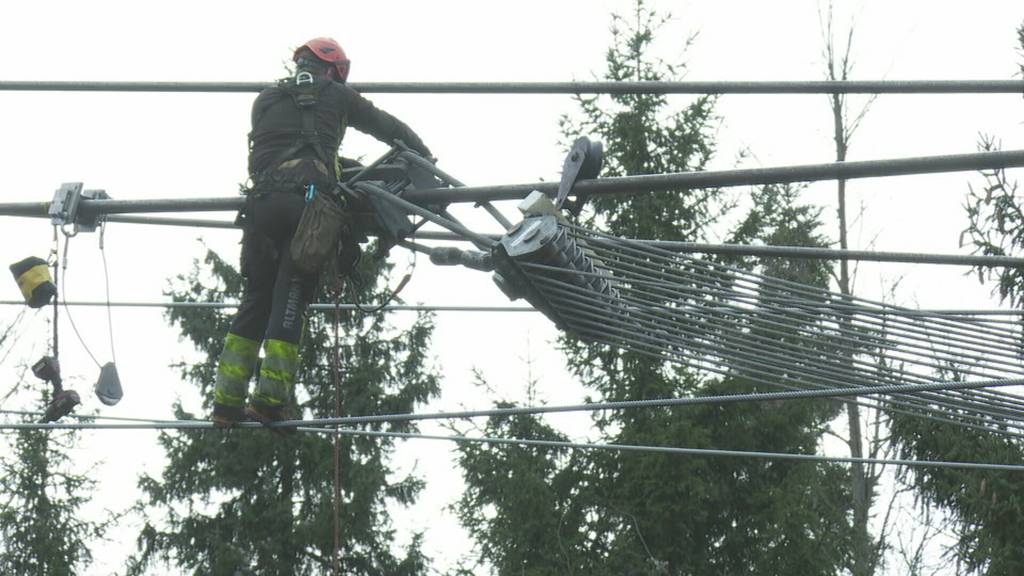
(276, 294)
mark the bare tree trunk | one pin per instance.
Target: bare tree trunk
(865, 553)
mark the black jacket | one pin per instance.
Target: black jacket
(278, 125)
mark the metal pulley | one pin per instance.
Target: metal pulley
(108, 386)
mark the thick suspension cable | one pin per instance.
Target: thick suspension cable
(679, 451)
(688, 247)
(318, 307)
(624, 185)
(669, 450)
(541, 88)
(524, 410)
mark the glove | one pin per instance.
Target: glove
(349, 256)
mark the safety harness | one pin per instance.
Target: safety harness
(292, 164)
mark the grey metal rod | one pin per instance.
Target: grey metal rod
(912, 408)
(734, 351)
(319, 307)
(593, 87)
(586, 407)
(686, 247)
(811, 309)
(673, 285)
(157, 221)
(709, 452)
(832, 254)
(699, 452)
(602, 186)
(455, 227)
(817, 301)
(597, 329)
(786, 319)
(764, 346)
(682, 181)
(428, 165)
(768, 345)
(677, 281)
(923, 412)
(731, 274)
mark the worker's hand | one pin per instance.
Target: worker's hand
(349, 255)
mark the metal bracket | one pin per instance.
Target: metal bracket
(64, 206)
(86, 221)
(67, 203)
(583, 162)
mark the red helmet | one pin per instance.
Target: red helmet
(328, 51)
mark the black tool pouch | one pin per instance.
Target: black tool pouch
(316, 238)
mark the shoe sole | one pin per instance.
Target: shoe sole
(268, 421)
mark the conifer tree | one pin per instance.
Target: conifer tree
(605, 512)
(254, 502)
(41, 496)
(986, 506)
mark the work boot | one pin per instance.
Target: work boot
(266, 414)
(63, 403)
(225, 416)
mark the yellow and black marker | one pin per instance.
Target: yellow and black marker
(33, 276)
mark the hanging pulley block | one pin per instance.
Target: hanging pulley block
(63, 401)
(108, 386)
(33, 277)
(583, 162)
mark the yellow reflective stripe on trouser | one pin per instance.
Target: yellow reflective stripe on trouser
(277, 373)
(234, 369)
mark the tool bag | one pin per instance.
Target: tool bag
(319, 231)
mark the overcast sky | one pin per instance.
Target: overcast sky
(139, 146)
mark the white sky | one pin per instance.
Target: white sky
(193, 145)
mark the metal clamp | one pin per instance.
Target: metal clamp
(66, 207)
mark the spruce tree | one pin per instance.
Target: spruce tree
(987, 507)
(607, 512)
(42, 532)
(254, 502)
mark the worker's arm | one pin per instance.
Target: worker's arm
(365, 117)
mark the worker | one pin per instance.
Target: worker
(297, 128)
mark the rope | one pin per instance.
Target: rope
(63, 298)
(54, 256)
(336, 369)
(106, 290)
